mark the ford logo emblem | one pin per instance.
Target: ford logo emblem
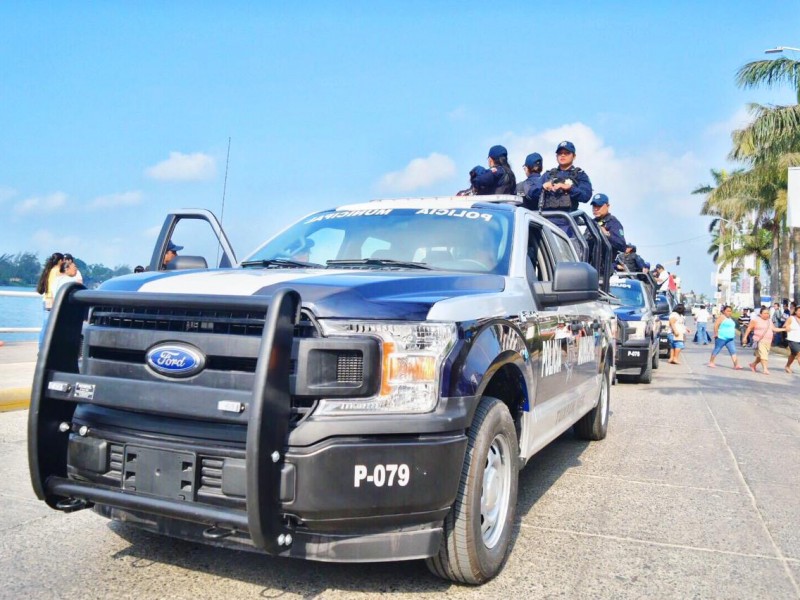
(175, 360)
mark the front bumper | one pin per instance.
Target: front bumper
(166, 457)
(632, 356)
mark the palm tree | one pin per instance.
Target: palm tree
(759, 245)
(770, 144)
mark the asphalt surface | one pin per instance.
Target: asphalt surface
(694, 494)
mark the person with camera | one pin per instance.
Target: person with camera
(566, 185)
(531, 188)
(608, 223)
(499, 178)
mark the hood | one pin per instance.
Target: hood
(630, 313)
(342, 293)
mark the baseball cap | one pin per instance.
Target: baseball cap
(532, 159)
(599, 200)
(173, 247)
(631, 246)
(565, 145)
(659, 266)
(496, 152)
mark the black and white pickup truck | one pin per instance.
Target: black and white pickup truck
(364, 387)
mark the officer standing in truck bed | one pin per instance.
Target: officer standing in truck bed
(566, 185)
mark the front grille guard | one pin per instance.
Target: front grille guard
(267, 420)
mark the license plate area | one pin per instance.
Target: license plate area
(160, 473)
(633, 354)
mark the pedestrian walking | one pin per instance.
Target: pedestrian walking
(744, 321)
(677, 325)
(793, 336)
(763, 332)
(701, 320)
(724, 336)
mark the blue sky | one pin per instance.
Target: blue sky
(113, 113)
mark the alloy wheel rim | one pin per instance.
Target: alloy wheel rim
(496, 491)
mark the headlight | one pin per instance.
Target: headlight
(412, 356)
(635, 330)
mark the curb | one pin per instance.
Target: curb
(15, 399)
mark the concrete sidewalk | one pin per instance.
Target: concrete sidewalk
(17, 364)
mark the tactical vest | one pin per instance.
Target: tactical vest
(507, 184)
(561, 200)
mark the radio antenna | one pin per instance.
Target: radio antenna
(224, 189)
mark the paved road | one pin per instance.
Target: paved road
(694, 494)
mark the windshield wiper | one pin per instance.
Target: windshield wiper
(377, 262)
(281, 262)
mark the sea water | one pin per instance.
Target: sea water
(18, 311)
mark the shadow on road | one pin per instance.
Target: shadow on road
(276, 576)
(284, 575)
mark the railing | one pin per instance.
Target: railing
(19, 329)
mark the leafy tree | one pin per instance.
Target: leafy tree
(27, 268)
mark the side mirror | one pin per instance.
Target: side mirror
(180, 263)
(573, 282)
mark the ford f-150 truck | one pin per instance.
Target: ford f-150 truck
(364, 387)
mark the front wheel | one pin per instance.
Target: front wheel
(477, 531)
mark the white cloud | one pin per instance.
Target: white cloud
(116, 200)
(41, 204)
(459, 113)
(48, 242)
(737, 120)
(419, 173)
(184, 167)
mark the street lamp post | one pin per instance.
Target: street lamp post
(779, 49)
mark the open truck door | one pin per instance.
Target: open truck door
(589, 242)
(192, 235)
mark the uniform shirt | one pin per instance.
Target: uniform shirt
(531, 190)
(492, 181)
(581, 188)
(616, 236)
(702, 316)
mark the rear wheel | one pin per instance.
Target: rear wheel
(477, 531)
(655, 358)
(594, 424)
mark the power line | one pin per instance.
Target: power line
(699, 237)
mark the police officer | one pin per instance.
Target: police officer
(608, 223)
(170, 254)
(531, 188)
(498, 178)
(566, 185)
(630, 260)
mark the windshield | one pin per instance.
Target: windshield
(458, 239)
(630, 295)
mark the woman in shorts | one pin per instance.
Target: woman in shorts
(792, 326)
(763, 331)
(724, 336)
(677, 326)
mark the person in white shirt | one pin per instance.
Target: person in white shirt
(793, 336)
(69, 270)
(69, 259)
(701, 319)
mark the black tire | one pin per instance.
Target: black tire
(469, 554)
(646, 375)
(594, 424)
(655, 358)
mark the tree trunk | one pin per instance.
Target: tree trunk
(786, 263)
(775, 262)
(757, 285)
(796, 260)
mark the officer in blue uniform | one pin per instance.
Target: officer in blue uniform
(531, 188)
(608, 223)
(566, 185)
(498, 178)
